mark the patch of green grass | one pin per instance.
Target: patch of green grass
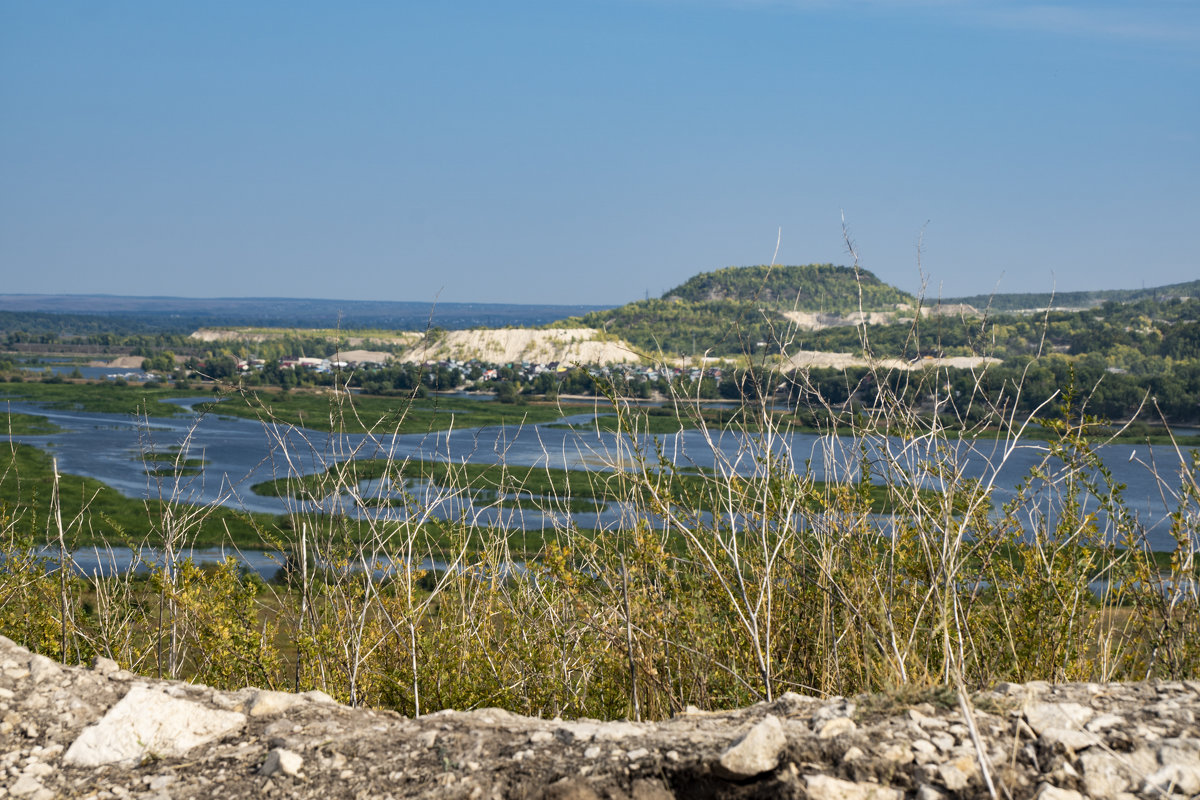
(493, 477)
(108, 517)
(170, 456)
(169, 459)
(173, 471)
(384, 414)
(531, 503)
(102, 397)
(489, 499)
(16, 424)
(169, 463)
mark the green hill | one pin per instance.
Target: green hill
(739, 310)
(812, 287)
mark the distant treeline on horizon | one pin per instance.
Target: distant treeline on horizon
(99, 313)
(1021, 301)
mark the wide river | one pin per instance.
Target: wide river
(239, 453)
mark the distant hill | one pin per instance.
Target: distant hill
(95, 313)
(1027, 301)
(739, 310)
(811, 287)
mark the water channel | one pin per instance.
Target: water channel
(239, 453)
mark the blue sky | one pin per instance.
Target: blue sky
(593, 151)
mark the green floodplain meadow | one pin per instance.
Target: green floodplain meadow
(113, 519)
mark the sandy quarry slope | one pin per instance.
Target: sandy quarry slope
(542, 346)
(365, 356)
(123, 362)
(819, 320)
(814, 359)
(498, 345)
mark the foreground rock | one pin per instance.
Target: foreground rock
(104, 733)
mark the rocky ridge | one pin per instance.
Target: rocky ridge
(106, 733)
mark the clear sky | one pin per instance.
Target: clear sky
(591, 151)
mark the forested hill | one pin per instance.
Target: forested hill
(738, 310)
(811, 287)
(1023, 301)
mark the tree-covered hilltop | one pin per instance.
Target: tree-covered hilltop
(811, 287)
(740, 310)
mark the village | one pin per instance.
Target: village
(505, 380)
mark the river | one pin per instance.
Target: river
(239, 453)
